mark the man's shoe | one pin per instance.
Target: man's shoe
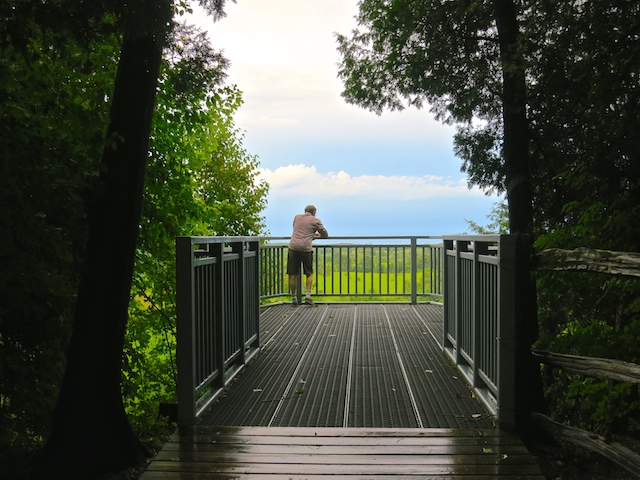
(308, 301)
(294, 302)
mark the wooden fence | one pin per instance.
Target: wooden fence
(623, 264)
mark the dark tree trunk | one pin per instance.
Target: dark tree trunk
(514, 100)
(529, 393)
(91, 432)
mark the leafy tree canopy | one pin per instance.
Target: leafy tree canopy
(582, 62)
(58, 63)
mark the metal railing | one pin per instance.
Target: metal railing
(218, 316)
(221, 282)
(479, 320)
(360, 268)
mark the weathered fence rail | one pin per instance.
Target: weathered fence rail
(616, 452)
(626, 264)
(590, 260)
(603, 368)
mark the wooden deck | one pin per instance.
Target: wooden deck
(379, 402)
(216, 453)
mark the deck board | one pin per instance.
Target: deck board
(349, 391)
(215, 453)
(313, 360)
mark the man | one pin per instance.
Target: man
(306, 227)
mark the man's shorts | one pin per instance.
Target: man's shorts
(296, 258)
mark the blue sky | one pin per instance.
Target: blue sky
(393, 174)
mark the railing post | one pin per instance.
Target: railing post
(475, 308)
(414, 270)
(255, 246)
(507, 331)
(447, 292)
(239, 248)
(186, 382)
(220, 307)
(459, 307)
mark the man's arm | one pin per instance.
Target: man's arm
(321, 230)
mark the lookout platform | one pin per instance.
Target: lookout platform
(349, 391)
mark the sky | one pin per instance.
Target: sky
(393, 174)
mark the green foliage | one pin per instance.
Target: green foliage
(201, 181)
(582, 316)
(444, 55)
(416, 52)
(499, 221)
(369, 283)
(54, 114)
(596, 406)
(58, 62)
(583, 113)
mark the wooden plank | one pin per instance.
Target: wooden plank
(317, 476)
(336, 432)
(283, 449)
(347, 441)
(215, 453)
(427, 440)
(322, 458)
(302, 469)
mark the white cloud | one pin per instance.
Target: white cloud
(367, 174)
(296, 181)
(284, 58)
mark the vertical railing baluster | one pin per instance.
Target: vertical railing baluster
(240, 297)
(379, 269)
(219, 290)
(414, 270)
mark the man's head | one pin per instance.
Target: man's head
(311, 209)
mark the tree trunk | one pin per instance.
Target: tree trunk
(91, 432)
(514, 100)
(529, 393)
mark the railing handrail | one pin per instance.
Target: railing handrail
(364, 237)
(226, 239)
